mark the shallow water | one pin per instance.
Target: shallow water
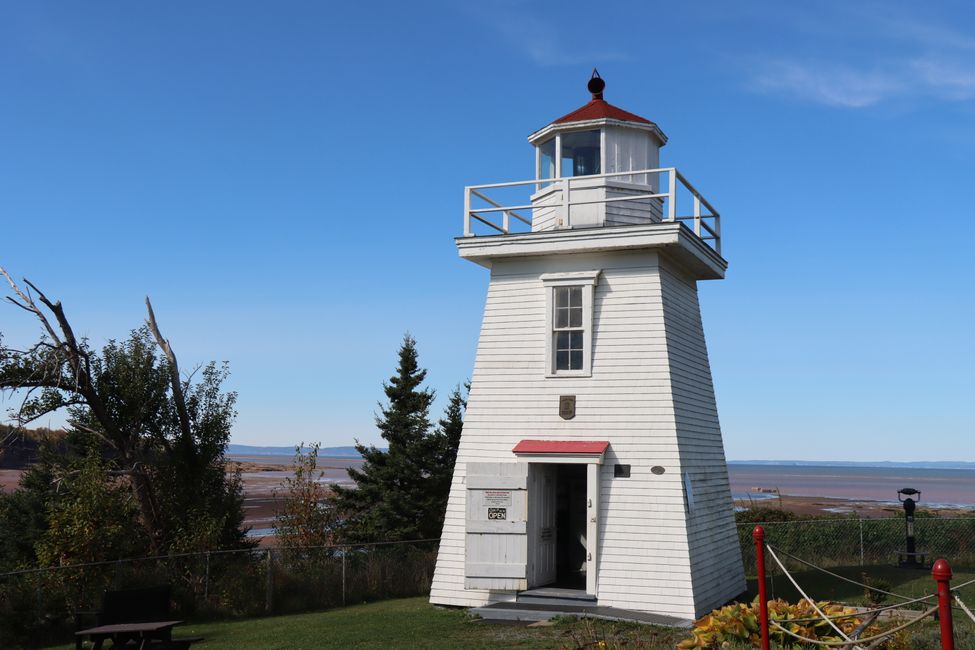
(943, 488)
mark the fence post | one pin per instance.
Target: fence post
(345, 551)
(759, 536)
(206, 580)
(941, 572)
(860, 519)
(269, 586)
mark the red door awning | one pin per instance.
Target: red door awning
(562, 447)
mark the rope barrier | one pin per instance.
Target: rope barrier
(850, 580)
(811, 601)
(963, 585)
(964, 607)
(866, 612)
(869, 639)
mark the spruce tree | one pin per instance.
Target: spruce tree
(394, 497)
(447, 439)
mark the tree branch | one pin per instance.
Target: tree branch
(177, 386)
(29, 304)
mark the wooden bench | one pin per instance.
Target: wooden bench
(917, 559)
(142, 607)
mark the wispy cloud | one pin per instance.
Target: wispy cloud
(830, 85)
(896, 57)
(542, 41)
(846, 86)
(950, 80)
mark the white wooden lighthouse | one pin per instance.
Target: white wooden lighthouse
(591, 469)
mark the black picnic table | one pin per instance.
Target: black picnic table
(121, 633)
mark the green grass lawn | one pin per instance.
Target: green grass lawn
(414, 623)
(908, 582)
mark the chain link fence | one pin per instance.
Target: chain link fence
(40, 604)
(863, 542)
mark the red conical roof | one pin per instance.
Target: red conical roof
(598, 109)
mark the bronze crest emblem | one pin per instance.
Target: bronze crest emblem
(567, 407)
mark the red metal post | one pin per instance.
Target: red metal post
(759, 536)
(941, 572)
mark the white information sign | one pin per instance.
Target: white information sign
(497, 497)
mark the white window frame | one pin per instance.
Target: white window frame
(586, 280)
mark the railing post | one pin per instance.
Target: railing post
(941, 572)
(717, 233)
(344, 551)
(506, 222)
(759, 536)
(672, 195)
(206, 580)
(566, 207)
(697, 215)
(467, 212)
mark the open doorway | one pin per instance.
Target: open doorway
(558, 525)
(570, 526)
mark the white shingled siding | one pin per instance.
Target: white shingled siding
(715, 554)
(647, 545)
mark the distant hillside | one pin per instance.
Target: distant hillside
(20, 446)
(922, 464)
(248, 450)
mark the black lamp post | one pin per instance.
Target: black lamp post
(906, 496)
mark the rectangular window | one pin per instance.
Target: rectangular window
(569, 333)
(569, 304)
(580, 153)
(547, 159)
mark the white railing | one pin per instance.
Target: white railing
(705, 220)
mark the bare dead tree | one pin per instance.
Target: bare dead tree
(60, 371)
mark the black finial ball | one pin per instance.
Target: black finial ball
(596, 85)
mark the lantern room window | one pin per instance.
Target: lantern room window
(580, 153)
(547, 159)
(576, 153)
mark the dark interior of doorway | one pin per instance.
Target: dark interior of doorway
(570, 524)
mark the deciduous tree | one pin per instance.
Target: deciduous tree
(163, 434)
(306, 517)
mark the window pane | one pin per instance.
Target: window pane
(575, 360)
(548, 159)
(575, 317)
(575, 342)
(580, 153)
(562, 361)
(562, 340)
(562, 318)
(562, 296)
(575, 296)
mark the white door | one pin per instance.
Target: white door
(542, 542)
(496, 548)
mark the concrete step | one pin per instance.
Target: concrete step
(536, 612)
(543, 600)
(492, 613)
(556, 596)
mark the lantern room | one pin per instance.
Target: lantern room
(586, 153)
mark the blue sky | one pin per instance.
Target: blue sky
(285, 179)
